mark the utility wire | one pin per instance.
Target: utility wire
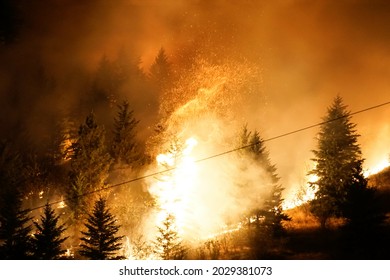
(294, 131)
(215, 155)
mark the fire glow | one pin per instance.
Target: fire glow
(174, 189)
(377, 168)
(307, 193)
(198, 121)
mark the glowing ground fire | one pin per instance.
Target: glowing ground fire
(307, 193)
(302, 195)
(377, 168)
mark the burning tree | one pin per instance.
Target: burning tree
(47, 241)
(100, 241)
(342, 189)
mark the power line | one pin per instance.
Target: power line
(294, 131)
(216, 155)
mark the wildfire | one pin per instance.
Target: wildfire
(377, 168)
(62, 203)
(300, 197)
(173, 189)
(303, 195)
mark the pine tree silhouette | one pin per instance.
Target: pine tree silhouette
(14, 228)
(100, 241)
(47, 240)
(342, 189)
(124, 147)
(160, 71)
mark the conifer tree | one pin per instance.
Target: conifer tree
(160, 71)
(341, 187)
(271, 212)
(167, 245)
(100, 241)
(47, 241)
(15, 227)
(15, 224)
(89, 165)
(124, 147)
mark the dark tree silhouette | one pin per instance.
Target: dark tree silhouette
(341, 187)
(160, 71)
(15, 227)
(124, 147)
(362, 207)
(15, 224)
(47, 241)
(100, 241)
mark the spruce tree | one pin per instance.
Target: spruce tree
(341, 188)
(15, 224)
(15, 227)
(167, 245)
(124, 147)
(160, 71)
(47, 241)
(100, 241)
(89, 165)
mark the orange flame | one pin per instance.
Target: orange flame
(173, 189)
